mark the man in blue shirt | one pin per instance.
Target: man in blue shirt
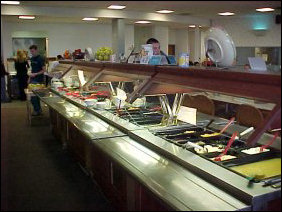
(37, 76)
(157, 49)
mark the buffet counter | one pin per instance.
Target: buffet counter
(140, 168)
(167, 180)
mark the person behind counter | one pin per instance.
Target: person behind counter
(21, 66)
(247, 67)
(157, 48)
(36, 76)
(52, 66)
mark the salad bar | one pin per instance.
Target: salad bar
(219, 154)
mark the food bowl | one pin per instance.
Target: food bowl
(90, 102)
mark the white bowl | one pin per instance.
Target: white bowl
(90, 102)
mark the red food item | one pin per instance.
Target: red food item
(103, 93)
(69, 94)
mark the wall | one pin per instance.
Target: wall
(171, 36)
(161, 34)
(141, 35)
(63, 35)
(241, 30)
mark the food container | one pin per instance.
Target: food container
(117, 102)
(90, 102)
(104, 105)
(183, 60)
(139, 102)
(57, 85)
(68, 82)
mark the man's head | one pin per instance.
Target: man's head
(247, 67)
(60, 57)
(33, 50)
(156, 46)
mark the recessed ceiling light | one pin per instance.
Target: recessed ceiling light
(192, 26)
(90, 19)
(266, 9)
(10, 2)
(165, 11)
(30, 17)
(116, 7)
(226, 13)
(142, 22)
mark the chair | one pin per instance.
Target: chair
(202, 103)
(249, 116)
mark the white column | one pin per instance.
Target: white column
(161, 34)
(197, 45)
(191, 43)
(181, 41)
(118, 36)
(129, 38)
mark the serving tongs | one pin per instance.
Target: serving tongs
(215, 135)
(270, 142)
(232, 139)
(275, 182)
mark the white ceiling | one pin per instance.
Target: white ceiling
(184, 10)
(207, 9)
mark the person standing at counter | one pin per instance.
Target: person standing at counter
(157, 48)
(21, 66)
(4, 97)
(37, 76)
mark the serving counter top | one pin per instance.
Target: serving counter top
(90, 125)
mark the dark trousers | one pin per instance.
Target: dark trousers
(22, 80)
(35, 101)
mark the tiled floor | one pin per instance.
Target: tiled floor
(36, 173)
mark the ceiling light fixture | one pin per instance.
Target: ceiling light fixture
(29, 17)
(226, 13)
(164, 11)
(142, 22)
(116, 7)
(90, 19)
(266, 9)
(192, 26)
(10, 2)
